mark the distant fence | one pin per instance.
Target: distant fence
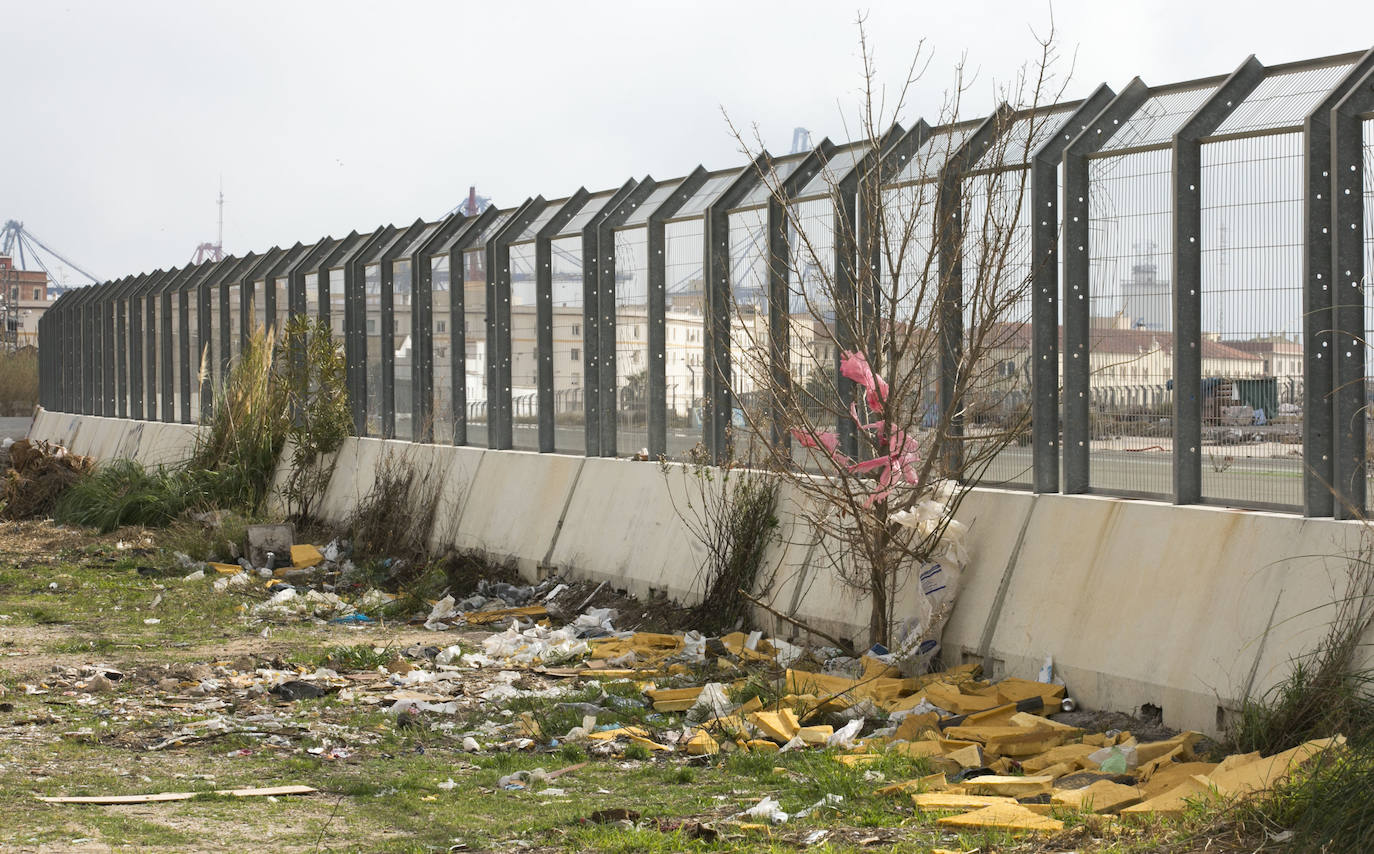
(1192, 248)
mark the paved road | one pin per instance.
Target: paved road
(15, 428)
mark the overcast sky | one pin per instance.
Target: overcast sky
(121, 117)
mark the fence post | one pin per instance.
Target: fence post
(1044, 226)
(1187, 286)
(1348, 304)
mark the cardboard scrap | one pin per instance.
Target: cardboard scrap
(158, 797)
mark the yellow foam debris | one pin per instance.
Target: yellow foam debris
(1262, 774)
(753, 704)
(780, 726)
(918, 749)
(305, 556)
(1012, 817)
(913, 727)
(1170, 776)
(816, 735)
(1057, 770)
(674, 699)
(967, 757)
(951, 699)
(1172, 802)
(701, 743)
(480, 618)
(1030, 742)
(1235, 760)
(982, 734)
(226, 568)
(930, 782)
(1026, 719)
(618, 732)
(762, 745)
(1013, 690)
(1015, 787)
(1152, 750)
(853, 760)
(956, 801)
(996, 716)
(1075, 754)
(649, 743)
(881, 690)
(1103, 796)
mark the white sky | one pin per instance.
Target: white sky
(120, 117)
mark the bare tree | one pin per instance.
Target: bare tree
(898, 370)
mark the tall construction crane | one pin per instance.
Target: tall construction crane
(18, 242)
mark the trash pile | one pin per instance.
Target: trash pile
(1000, 759)
(39, 473)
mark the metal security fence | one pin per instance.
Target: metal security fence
(1195, 328)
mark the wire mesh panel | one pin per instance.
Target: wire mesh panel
(235, 334)
(632, 340)
(475, 344)
(281, 296)
(997, 331)
(212, 346)
(811, 323)
(171, 313)
(441, 302)
(312, 295)
(524, 348)
(152, 356)
(750, 362)
(684, 327)
(194, 347)
(372, 323)
(259, 303)
(1130, 340)
(1252, 368)
(569, 341)
(403, 348)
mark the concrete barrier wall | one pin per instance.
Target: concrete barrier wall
(1136, 601)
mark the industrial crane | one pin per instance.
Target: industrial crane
(18, 242)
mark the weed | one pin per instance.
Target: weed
(732, 513)
(238, 451)
(638, 752)
(122, 492)
(361, 656)
(394, 519)
(312, 372)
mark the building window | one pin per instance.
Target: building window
(372, 326)
(37, 293)
(442, 326)
(576, 354)
(577, 329)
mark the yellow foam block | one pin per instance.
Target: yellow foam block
(305, 556)
(1012, 817)
(1015, 787)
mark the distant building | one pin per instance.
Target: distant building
(26, 299)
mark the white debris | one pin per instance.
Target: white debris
(444, 609)
(767, 809)
(844, 736)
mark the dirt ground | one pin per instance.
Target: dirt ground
(120, 677)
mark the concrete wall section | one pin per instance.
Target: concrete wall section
(1138, 602)
(513, 507)
(621, 527)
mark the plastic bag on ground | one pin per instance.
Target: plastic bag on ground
(711, 703)
(844, 736)
(444, 609)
